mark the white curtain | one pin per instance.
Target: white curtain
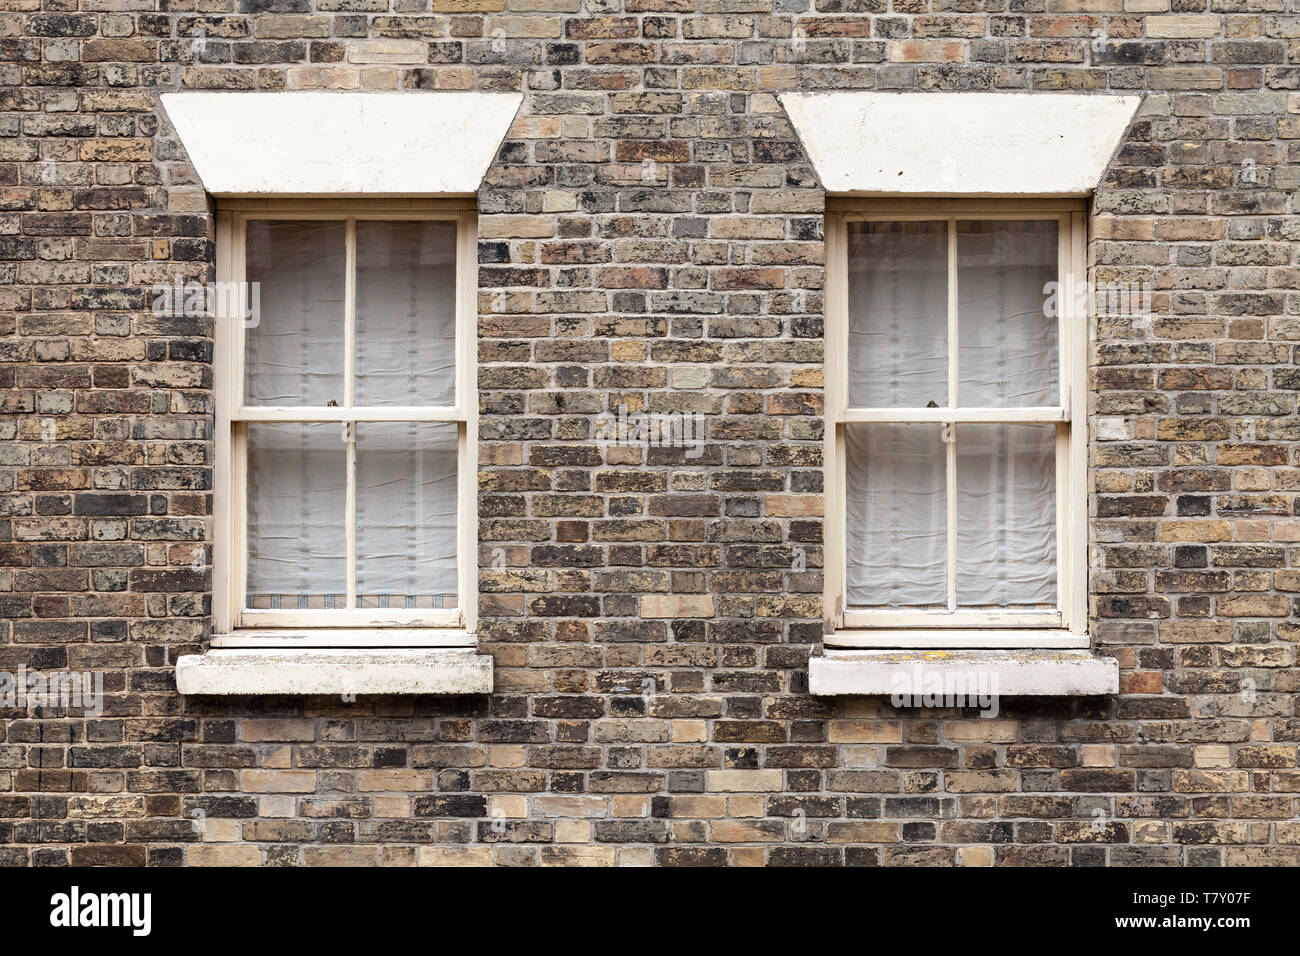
(294, 354)
(898, 315)
(897, 516)
(406, 473)
(1007, 357)
(406, 313)
(1007, 345)
(1006, 515)
(297, 487)
(406, 514)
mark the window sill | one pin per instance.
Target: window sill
(347, 672)
(361, 638)
(1007, 673)
(950, 638)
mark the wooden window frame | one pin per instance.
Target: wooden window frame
(239, 626)
(1064, 627)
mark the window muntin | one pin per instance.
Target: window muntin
(955, 468)
(346, 418)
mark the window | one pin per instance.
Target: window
(345, 423)
(956, 409)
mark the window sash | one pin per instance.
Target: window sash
(1063, 625)
(230, 552)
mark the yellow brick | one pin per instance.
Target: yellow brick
(279, 758)
(703, 807)
(748, 856)
(392, 807)
(511, 806)
(980, 731)
(455, 856)
(795, 506)
(690, 731)
(507, 755)
(413, 780)
(1201, 531)
(862, 831)
(1097, 755)
(219, 831)
(866, 732)
(551, 28)
(1084, 6)
(1287, 530)
(468, 6)
(743, 781)
(397, 856)
(322, 78)
(209, 855)
(1213, 755)
(278, 781)
(975, 855)
(516, 227)
(572, 831)
(1182, 26)
(577, 856)
(926, 51)
(627, 805)
(1111, 227)
(1150, 831)
(341, 856)
(115, 150)
(746, 805)
(743, 831)
(277, 805)
(677, 606)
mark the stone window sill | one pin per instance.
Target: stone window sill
(346, 672)
(1008, 673)
(358, 638)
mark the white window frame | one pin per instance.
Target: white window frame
(1063, 627)
(237, 626)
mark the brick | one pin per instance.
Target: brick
(652, 236)
(677, 606)
(1179, 26)
(926, 51)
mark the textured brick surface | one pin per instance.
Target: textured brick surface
(651, 236)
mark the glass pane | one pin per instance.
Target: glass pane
(897, 516)
(406, 515)
(297, 488)
(1007, 340)
(1006, 516)
(406, 313)
(294, 351)
(898, 314)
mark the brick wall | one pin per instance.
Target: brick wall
(651, 236)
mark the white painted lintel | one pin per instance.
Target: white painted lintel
(956, 144)
(340, 143)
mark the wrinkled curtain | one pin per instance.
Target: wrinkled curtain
(297, 487)
(406, 473)
(406, 313)
(406, 514)
(897, 516)
(1008, 354)
(898, 314)
(1005, 474)
(294, 354)
(1006, 515)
